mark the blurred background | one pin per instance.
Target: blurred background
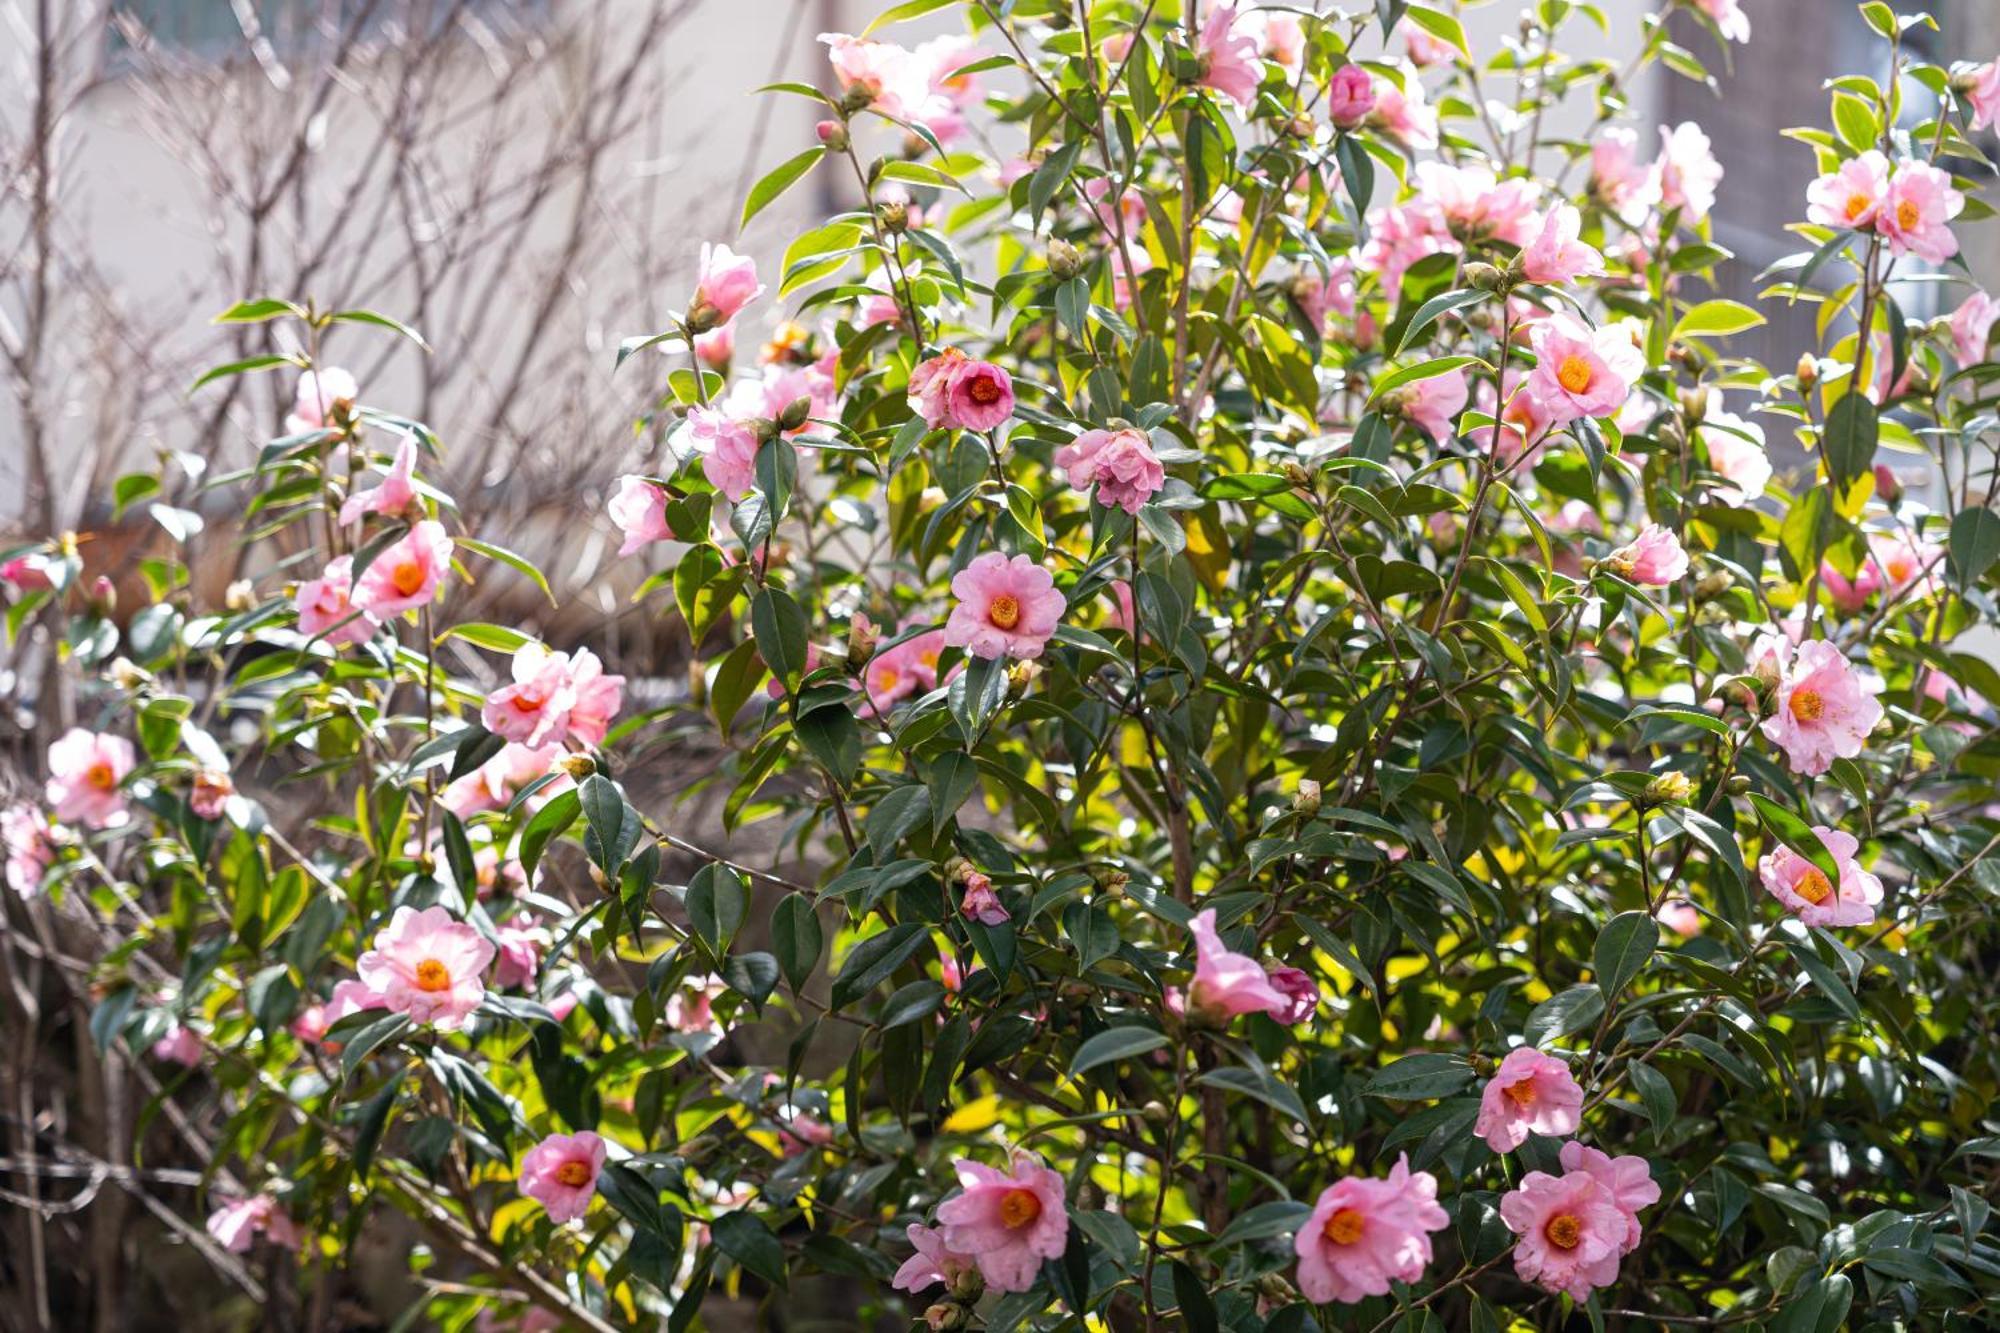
(527, 182)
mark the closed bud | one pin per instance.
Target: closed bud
(1668, 789)
(1300, 126)
(956, 869)
(833, 134)
(1808, 371)
(1484, 277)
(967, 1286)
(702, 317)
(1307, 800)
(1738, 784)
(128, 675)
(1065, 260)
(765, 429)
(578, 766)
(1887, 484)
(1275, 1291)
(1111, 883)
(1021, 675)
(894, 216)
(1298, 476)
(1694, 404)
(862, 636)
(1712, 586)
(240, 595)
(103, 597)
(1156, 1113)
(856, 99)
(945, 1316)
(795, 414)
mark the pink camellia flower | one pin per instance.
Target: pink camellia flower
(890, 74)
(1478, 205)
(728, 448)
(1529, 1093)
(1972, 326)
(639, 508)
(1571, 1228)
(87, 770)
(1851, 196)
(29, 573)
(981, 903)
(1654, 558)
(1005, 608)
(1984, 96)
(1916, 214)
(1121, 464)
(930, 387)
(1688, 171)
(326, 608)
(1523, 428)
(560, 1173)
(30, 846)
(349, 997)
(534, 710)
(211, 792)
(235, 1225)
(1850, 595)
(1822, 711)
(406, 576)
(428, 966)
(1300, 989)
(395, 493)
(1619, 178)
(1230, 63)
(1583, 372)
(1401, 111)
(1680, 916)
(1424, 49)
(1905, 561)
(692, 1007)
(1007, 1221)
(1629, 1181)
(1557, 254)
(1365, 1233)
(494, 783)
(799, 1133)
(1280, 36)
(1729, 18)
(319, 394)
(519, 956)
(1802, 886)
(1736, 451)
(717, 347)
(1350, 96)
(982, 396)
(1227, 983)
(933, 1263)
(598, 697)
(903, 669)
(180, 1046)
(728, 283)
(1398, 237)
(1432, 405)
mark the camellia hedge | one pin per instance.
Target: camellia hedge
(1340, 785)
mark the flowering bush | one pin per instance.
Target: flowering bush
(1339, 783)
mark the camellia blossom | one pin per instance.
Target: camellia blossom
(393, 495)
(728, 448)
(560, 1173)
(1655, 558)
(1297, 987)
(981, 903)
(1121, 464)
(1972, 326)
(1851, 196)
(1365, 1233)
(534, 710)
(1916, 213)
(903, 669)
(1230, 62)
(1008, 1222)
(1433, 404)
(1803, 888)
(319, 395)
(1423, 48)
(1984, 96)
(1583, 372)
(1530, 1093)
(1571, 1231)
(427, 965)
(1005, 608)
(951, 391)
(349, 997)
(519, 956)
(326, 609)
(211, 792)
(1905, 561)
(1730, 20)
(728, 283)
(691, 1008)
(639, 508)
(235, 1225)
(1629, 1180)
(1479, 205)
(1688, 172)
(29, 842)
(180, 1046)
(1618, 177)
(1736, 451)
(1401, 111)
(1558, 254)
(1227, 983)
(1850, 595)
(598, 695)
(406, 576)
(1822, 710)
(87, 771)
(1350, 96)
(934, 1262)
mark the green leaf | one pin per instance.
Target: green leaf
(1439, 25)
(1420, 1077)
(497, 638)
(1716, 319)
(1258, 1084)
(717, 904)
(1119, 1043)
(247, 366)
(1435, 309)
(702, 590)
(797, 938)
(1796, 834)
(371, 1037)
(1975, 544)
(872, 960)
(1825, 979)
(379, 321)
(256, 312)
(373, 1121)
(743, 1237)
(1656, 1094)
(909, 9)
(780, 628)
(1853, 429)
(899, 812)
(777, 181)
(1423, 370)
(546, 826)
(1623, 947)
(506, 557)
(612, 826)
(1561, 1014)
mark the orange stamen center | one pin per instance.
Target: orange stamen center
(1004, 612)
(1564, 1231)
(1345, 1226)
(408, 577)
(1019, 1208)
(1812, 887)
(1807, 706)
(983, 391)
(574, 1174)
(1574, 374)
(433, 975)
(1522, 1093)
(101, 777)
(1857, 204)
(1908, 215)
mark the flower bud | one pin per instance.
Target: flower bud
(1307, 800)
(795, 413)
(967, 1286)
(1887, 484)
(1668, 789)
(128, 675)
(240, 595)
(702, 316)
(578, 766)
(1484, 277)
(894, 216)
(1111, 883)
(1300, 127)
(1694, 404)
(1156, 1113)
(103, 597)
(1065, 260)
(956, 869)
(1712, 586)
(1021, 675)
(1808, 371)
(833, 134)
(945, 1316)
(857, 98)
(862, 636)
(1738, 784)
